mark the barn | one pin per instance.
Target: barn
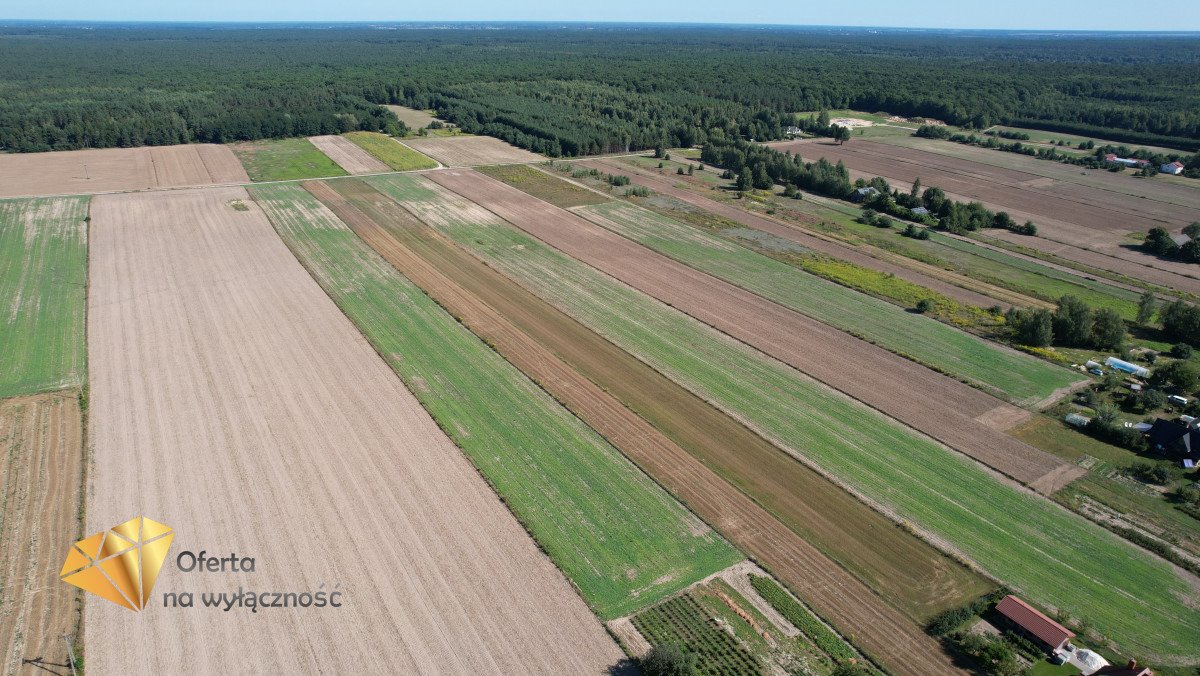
(1031, 623)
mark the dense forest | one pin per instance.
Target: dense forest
(576, 89)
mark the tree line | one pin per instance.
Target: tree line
(569, 91)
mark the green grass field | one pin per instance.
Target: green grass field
(616, 534)
(284, 160)
(1056, 558)
(543, 186)
(43, 283)
(1011, 374)
(387, 150)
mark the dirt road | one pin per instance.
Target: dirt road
(484, 301)
(233, 401)
(41, 476)
(951, 412)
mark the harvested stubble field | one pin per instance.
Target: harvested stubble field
(386, 149)
(1015, 376)
(911, 271)
(1086, 217)
(79, 172)
(285, 160)
(1012, 534)
(470, 151)
(232, 400)
(415, 119)
(41, 475)
(348, 155)
(43, 275)
(956, 414)
(609, 389)
(543, 186)
(620, 538)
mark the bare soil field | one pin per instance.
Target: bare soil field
(231, 400)
(485, 300)
(927, 276)
(348, 156)
(79, 172)
(470, 151)
(415, 119)
(936, 405)
(1081, 216)
(41, 472)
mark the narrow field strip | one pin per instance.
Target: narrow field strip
(232, 400)
(41, 482)
(284, 160)
(43, 280)
(397, 156)
(958, 415)
(619, 537)
(1019, 377)
(348, 155)
(1139, 601)
(588, 375)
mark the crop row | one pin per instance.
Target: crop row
(683, 622)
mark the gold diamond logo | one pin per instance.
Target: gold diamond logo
(120, 564)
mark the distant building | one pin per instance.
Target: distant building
(1180, 239)
(863, 194)
(1130, 669)
(793, 131)
(1174, 168)
(1126, 367)
(1031, 623)
(1127, 161)
(921, 211)
(1172, 438)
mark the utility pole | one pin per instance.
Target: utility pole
(70, 653)
(85, 173)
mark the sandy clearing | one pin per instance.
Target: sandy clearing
(231, 400)
(470, 151)
(41, 474)
(415, 119)
(79, 172)
(1081, 216)
(936, 405)
(348, 156)
(922, 274)
(829, 587)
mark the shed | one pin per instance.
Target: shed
(1174, 168)
(1180, 239)
(863, 194)
(1132, 369)
(921, 211)
(1030, 622)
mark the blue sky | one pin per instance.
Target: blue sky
(1016, 14)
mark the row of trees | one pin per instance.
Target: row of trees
(570, 91)
(1072, 324)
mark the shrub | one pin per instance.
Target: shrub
(924, 305)
(1152, 473)
(668, 660)
(1182, 351)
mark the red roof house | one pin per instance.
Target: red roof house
(1033, 624)
(1131, 669)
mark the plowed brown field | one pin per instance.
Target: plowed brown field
(1083, 216)
(79, 172)
(349, 156)
(533, 335)
(233, 401)
(471, 151)
(947, 410)
(927, 276)
(41, 472)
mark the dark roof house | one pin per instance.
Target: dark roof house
(1130, 669)
(863, 193)
(1173, 438)
(1032, 623)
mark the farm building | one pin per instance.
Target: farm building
(1126, 367)
(1031, 623)
(1173, 438)
(1077, 420)
(1174, 168)
(1129, 669)
(1180, 239)
(863, 194)
(1127, 161)
(921, 211)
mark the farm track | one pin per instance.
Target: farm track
(943, 408)
(348, 155)
(232, 400)
(41, 481)
(532, 335)
(949, 284)
(1071, 214)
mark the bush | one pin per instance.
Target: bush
(1182, 351)
(924, 305)
(668, 660)
(1151, 473)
